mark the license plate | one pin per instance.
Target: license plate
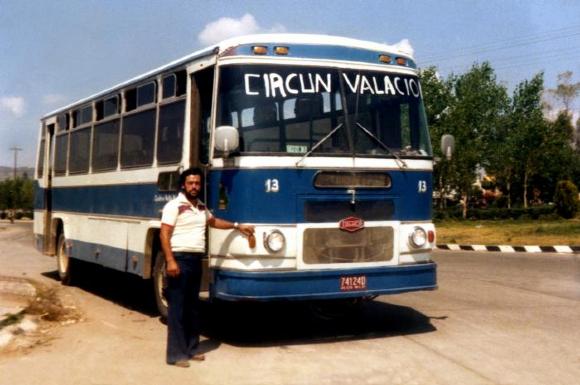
(356, 282)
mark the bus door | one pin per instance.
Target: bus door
(49, 246)
(202, 80)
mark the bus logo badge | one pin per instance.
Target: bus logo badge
(351, 224)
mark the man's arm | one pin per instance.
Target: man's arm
(172, 268)
(218, 223)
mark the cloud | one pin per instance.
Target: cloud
(53, 99)
(277, 28)
(227, 27)
(405, 46)
(12, 104)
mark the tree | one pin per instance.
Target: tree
(577, 144)
(566, 91)
(16, 194)
(438, 99)
(562, 162)
(566, 199)
(502, 157)
(480, 103)
(528, 131)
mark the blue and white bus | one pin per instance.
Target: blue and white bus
(320, 142)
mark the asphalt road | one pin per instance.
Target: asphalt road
(496, 319)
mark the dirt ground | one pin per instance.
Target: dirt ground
(494, 320)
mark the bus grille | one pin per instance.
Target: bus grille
(324, 246)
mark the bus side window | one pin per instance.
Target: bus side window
(105, 146)
(203, 81)
(60, 153)
(170, 134)
(40, 160)
(138, 139)
(80, 144)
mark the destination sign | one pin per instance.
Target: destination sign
(273, 85)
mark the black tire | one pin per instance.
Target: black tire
(64, 264)
(159, 284)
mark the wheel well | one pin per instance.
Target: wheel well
(152, 246)
(56, 229)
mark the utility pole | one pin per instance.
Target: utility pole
(15, 149)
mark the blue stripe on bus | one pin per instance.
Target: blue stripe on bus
(136, 200)
(111, 257)
(39, 203)
(325, 52)
(321, 284)
(248, 200)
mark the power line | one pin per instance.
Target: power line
(563, 33)
(519, 39)
(499, 48)
(15, 149)
(519, 61)
(552, 34)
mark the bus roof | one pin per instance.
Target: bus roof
(288, 38)
(225, 45)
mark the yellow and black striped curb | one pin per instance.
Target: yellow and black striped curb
(512, 249)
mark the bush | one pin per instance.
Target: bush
(566, 199)
(496, 213)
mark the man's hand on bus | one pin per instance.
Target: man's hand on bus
(247, 230)
(218, 223)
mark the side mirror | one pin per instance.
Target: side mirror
(447, 145)
(227, 139)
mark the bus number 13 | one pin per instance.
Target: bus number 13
(272, 185)
(422, 186)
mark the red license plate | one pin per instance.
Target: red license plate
(355, 282)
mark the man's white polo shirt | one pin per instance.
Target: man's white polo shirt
(189, 223)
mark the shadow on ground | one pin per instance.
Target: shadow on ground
(261, 323)
(126, 290)
(294, 323)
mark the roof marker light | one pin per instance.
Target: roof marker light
(385, 59)
(279, 50)
(260, 50)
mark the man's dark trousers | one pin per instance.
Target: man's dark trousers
(182, 293)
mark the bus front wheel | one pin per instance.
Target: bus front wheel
(159, 284)
(64, 264)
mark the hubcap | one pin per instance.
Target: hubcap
(62, 259)
(161, 283)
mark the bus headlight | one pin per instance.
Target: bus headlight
(418, 237)
(274, 241)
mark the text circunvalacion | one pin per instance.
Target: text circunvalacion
(271, 85)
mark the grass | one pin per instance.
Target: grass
(509, 232)
(11, 319)
(49, 307)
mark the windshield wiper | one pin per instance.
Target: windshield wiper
(319, 143)
(400, 161)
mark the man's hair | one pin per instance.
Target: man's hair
(188, 172)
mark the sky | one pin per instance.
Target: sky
(53, 53)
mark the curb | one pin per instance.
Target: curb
(512, 249)
(14, 295)
(16, 286)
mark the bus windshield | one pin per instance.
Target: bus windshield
(297, 110)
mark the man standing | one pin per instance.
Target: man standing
(183, 228)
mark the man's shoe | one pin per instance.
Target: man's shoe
(198, 357)
(181, 364)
